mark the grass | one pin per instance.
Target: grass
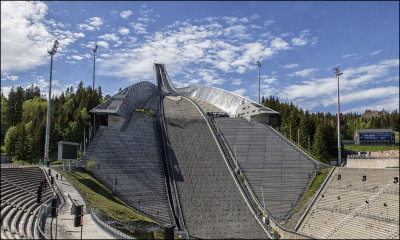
(319, 178)
(145, 111)
(370, 148)
(98, 196)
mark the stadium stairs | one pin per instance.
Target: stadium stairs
(128, 161)
(211, 203)
(18, 201)
(341, 211)
(278, 172)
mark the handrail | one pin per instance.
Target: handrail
(314, 199)
(234, 175)
(252, 194)
(44, 205)
(177, 211)
(116, 233)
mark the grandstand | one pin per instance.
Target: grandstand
(351, 207)
(128, 161)
(278, 172)
(19, 209)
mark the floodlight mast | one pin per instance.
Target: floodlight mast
(258, 65)
(338, 73)
(52, 52)
(94, 62)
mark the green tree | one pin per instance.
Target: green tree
(9, 140)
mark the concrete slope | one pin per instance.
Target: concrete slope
(212, 205)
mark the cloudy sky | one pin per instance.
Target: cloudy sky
(211, 43)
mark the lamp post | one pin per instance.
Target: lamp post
(52, 52)
(338, 73)
(94, 62)
(258, 65)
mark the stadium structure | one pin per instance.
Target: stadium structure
(205, 161)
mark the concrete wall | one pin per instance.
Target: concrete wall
(372, 163)
(115, 121)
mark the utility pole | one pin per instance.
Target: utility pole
(258, 65)
(52, 52)
(338, 73)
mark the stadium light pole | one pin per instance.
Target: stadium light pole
(94, 70)
(258, 65)
(94, 62)
(52, 52)
(338, 73)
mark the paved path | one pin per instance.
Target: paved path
(65, 226)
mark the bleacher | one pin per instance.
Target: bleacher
(128, 161)
(278, 172)
(349, 207)
(211, 203)
(18, 201)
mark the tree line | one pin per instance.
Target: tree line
(317, 132)
(23, 119)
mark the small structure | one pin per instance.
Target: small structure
(374, 136)
(255, 112)
(67, 151)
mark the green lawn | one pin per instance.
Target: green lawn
(98, 196)
(370, 148)
(314, 186)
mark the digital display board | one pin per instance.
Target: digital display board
(377, 137)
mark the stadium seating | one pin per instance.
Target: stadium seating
(18, 201)
(211, 203)
(278, 172)
(341, 209)
(128, 161)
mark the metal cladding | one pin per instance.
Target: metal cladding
(122, 103)
(227, 101)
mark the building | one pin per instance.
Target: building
(374, 136)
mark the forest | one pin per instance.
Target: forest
(317, 132)
(23, 122)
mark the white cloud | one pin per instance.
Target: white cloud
(125, 14)
(304, 73)
(279, 44)
(123, 31)
(268, 80)
(91, 24)
(268, 22)
(110, 37)
(77, 57)
(254, 16)
(237, 82)
(293, 65)
(350, 55)
(25, 37)
(375, 52)
(139, 27)
(240, 91)
(7, 76)
(102, 44)
(304, 38)
(201, 46)
(356, 84)
(298, 41)
(5, 91)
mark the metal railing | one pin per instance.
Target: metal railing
(249, 188)
(231, 168)
(177, 211)
(116, 233)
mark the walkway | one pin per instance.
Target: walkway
(65, 225)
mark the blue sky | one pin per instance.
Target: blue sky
(211, 43)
